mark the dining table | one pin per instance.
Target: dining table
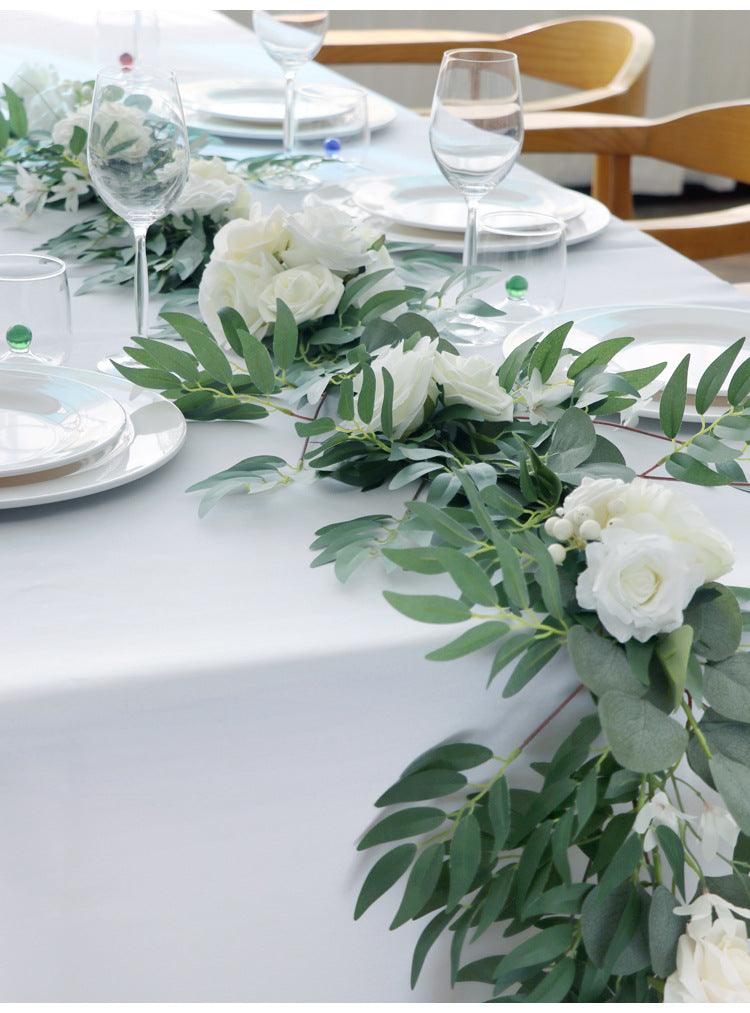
(194, 723)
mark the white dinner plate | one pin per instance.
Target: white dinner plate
(429, 202)
(262, 102)
(49, 420)
(153, 433)
(380, 113)
(594, 220)
(662, 334)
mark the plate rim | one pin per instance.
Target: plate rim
(438, 181)
(76, 456)
(46, 493)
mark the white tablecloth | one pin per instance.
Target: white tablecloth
(193, 723)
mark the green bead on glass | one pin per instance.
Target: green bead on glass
(18, 337)
(517, 287)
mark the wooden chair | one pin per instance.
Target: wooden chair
(713, 139)
(605, 58)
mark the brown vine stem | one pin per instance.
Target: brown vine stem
(550, 717)
(306, 444)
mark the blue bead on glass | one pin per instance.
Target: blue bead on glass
(331, 146)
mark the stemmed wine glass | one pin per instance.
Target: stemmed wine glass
(138, 156)
(292, 39)
(476, 126)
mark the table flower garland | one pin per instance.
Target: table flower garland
(552, 543)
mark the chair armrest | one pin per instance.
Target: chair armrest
(397, 45)
(587, 133)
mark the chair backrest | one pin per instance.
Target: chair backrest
(606, 58)
(713, 139)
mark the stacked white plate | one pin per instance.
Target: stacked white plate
(426, 209)
(66, 433)
(254, 110)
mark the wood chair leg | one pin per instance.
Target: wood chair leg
(611, 184)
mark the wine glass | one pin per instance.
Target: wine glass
(333, 140)
(292, 39)
(138, 156)
(476, 126)
(34, 309)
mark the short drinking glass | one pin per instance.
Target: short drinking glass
(520, 267)
(34, 309)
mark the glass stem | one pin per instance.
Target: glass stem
(141, 280)
(470, 238)
(289, 124)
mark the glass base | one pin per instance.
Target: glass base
(465, 330)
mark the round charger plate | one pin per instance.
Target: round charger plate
(50, 420)
(594, 220)
(153, 433)
(429, 202)
(662, 334)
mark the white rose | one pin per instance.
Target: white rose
(542, 398)
(638, 584)
(414, 389)
(121, 124)
(473, 381)
(327, 235)
(310, 293)
(713, 962)
(253, 238)
(211, 189)
(648, 505)
(62, 132)
(235, 284)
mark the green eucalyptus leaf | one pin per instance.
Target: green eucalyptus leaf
(385, 872)
(404, 823)
(285, 336)
(259, 364)
(672, 847)
(664, 931)
(450, 756)
(421, 882)
(598, 355)
(465, 854)
(673, 651)
(428, 608)
(642, 737)
(733, 782)
(673, 398)
(472, 640)
(726, 686)
(547, 353)
(494, 902)
(427, 939)
(714, 376)
(498, 808)
(422, 785)
(715, 617)
(600, 664)
(538, 655)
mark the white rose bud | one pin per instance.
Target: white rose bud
(590, 531)
(557, 552)
(563, 529)
(549, 526)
